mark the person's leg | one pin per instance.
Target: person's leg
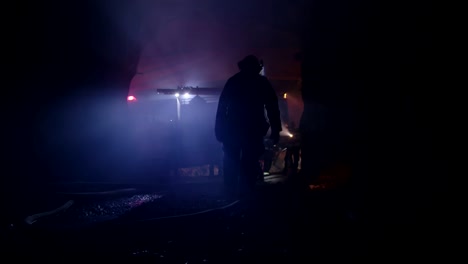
(250, 166)
(287, 160)
(231, 170)
(295, 157)
(268, 160)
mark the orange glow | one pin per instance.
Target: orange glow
(285, 95)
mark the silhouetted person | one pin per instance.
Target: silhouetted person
(241, 124)
(268, 159)
(293, 148)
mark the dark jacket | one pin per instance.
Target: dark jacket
(242, 105)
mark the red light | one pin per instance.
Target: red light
(131, 98)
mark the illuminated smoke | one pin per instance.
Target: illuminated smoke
(285, 131)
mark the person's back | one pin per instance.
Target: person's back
(248, 94)
(241, 123)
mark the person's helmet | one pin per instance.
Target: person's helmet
(250, 64)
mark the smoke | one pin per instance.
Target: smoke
(187, 43)
(285, 131)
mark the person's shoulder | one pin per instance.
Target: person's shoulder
(234, 78)
(230, 81)
(263, 79)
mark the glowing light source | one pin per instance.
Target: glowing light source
(131, 98)
(291, 135)
(177, 95)
(186, 95)
(285, 95)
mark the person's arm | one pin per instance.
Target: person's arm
(220, 124)
(272, 108)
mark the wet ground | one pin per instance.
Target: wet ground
(189, 222)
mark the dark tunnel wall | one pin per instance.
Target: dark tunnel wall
(369, 75)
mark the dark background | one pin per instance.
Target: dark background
(380, 55)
